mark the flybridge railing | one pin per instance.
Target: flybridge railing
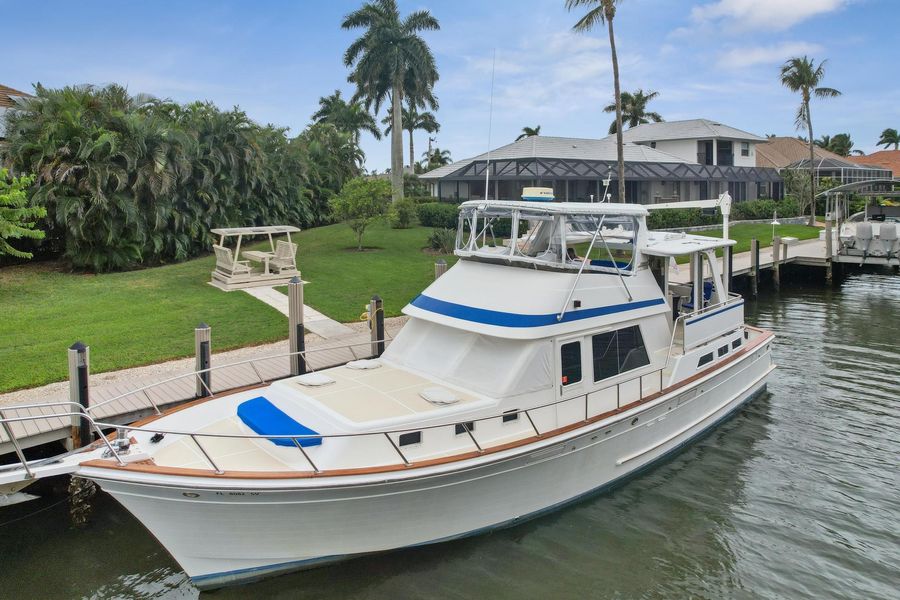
(679, 324)
(645, 385)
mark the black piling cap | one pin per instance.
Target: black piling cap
(202, 325)
(295, 279)
(376, 298)
(78, 346)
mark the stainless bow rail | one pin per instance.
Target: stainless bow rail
(70, 409)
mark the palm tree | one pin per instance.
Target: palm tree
(604, 11)
(804, 76)
(349, 117)
(528, 132)
(437, 158)
(839, 144)
(390, 60)
(412, 120)
(634, 110)
(889, 136)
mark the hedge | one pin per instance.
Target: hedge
(438, 214)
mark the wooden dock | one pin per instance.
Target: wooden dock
(125, 403)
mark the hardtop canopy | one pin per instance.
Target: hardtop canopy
(574, 208)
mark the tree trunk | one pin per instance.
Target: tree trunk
(812, 166)
(615, 64)
(396, 143)
(412, 154)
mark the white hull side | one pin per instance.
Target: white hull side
(239, 530)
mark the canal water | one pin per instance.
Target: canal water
(795, 497)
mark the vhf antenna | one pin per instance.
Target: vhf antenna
(487, 167)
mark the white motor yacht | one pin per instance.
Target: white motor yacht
(552, 361)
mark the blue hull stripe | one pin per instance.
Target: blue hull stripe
(712, 314)
(250, 574)
(507, 319)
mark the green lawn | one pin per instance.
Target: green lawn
(341, 280)
(148, 316)
(742, 234)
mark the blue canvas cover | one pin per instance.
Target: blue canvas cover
(265, 418)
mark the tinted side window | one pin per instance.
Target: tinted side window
(618, 351)
(570, 355)
(705, 359)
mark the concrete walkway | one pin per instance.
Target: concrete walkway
(313, 320)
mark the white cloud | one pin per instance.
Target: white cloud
(767, 14)
(740, 58)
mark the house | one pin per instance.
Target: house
(8, 97)
(576, 167)
(793, 153)
(698, 140)
(885, 159)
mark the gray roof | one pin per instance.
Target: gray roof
(685, 130)
(543, 146)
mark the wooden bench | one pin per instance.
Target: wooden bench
(285, 256)
(226, 264)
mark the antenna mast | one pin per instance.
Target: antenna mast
(487, 167)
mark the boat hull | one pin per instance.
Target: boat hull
(225, 531)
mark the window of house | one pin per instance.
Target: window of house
(705, 359)
(570, 355)
(618, 351)
(413, 437)
(745, 148)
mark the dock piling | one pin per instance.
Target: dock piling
(79, 365)
(296, 336)
(776, 262)
(376, 324)
(754, 267)
(203, 361)
(440, 267)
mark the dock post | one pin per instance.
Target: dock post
(203, 361)
(754, 267)
(776, 262)
(440, 267)
(728, 265)
(79, 365)
(376, 324)
(296, 336)
(829, 250)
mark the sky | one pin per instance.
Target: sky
(715, 59)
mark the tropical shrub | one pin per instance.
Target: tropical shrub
(17, 219)
(413, 186)
(438, 214)
(130, 180)
(424, 199)
(442, 240)
(361, 202)
(402, 213)
(745, 210)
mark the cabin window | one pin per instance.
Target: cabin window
(413, 437)
(618, 351)
(736, 343)
(511, 415)
(570, 359)
(461, 427)
(723, 350)
(705, 359)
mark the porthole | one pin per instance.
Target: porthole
(190, 495)
(413, 437)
